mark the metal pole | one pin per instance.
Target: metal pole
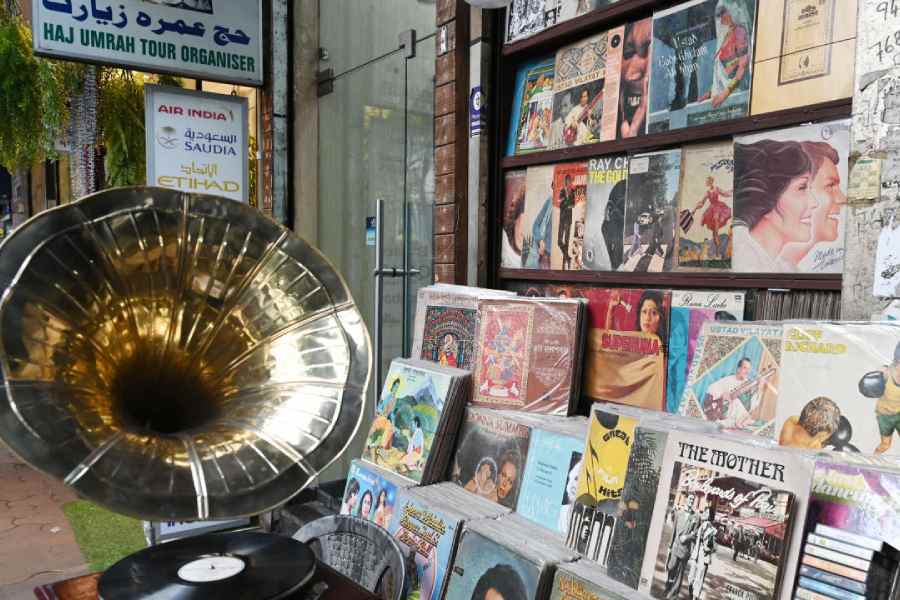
(379, 287)
(406, 233)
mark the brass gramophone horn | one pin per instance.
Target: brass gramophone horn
(175, 356)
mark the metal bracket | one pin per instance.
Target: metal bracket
(325, 82)
(408, 43)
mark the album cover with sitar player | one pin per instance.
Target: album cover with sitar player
(580, 114)
(734, 376)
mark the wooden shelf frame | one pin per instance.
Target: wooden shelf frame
(679, 279)
(507, 59)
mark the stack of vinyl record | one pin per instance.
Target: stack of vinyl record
(426, 524)
(511, 556)
(582, 579)
(838, 564)
(446, 322)
(417, 418)
(528, 354)
(450, 496)
(371, 493)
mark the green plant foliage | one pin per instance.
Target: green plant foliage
(33, 96)
(120, 116)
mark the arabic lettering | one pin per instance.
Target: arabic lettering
(209, 169)
(222, 35)
(210, 137)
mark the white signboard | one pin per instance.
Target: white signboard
(219, 40)
(196, 142)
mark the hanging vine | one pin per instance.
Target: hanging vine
(121, 121)
(33, 96)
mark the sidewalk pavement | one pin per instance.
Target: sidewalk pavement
(37, 545)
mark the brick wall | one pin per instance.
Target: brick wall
(451, 141)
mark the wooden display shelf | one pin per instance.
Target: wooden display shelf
(597, 20)
(837, 109)
(678, 279)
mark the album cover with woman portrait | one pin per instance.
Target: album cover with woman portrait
(735, 376)
(605, 213)
(532, 109)
(549, 484)
(805, 53)
(370, 494)
(513, 236)
(582, 83)
(625, 356)
(839, 387)
(483, 569)
(690, 310)
(723, 537)
(790, 199)
(650, 207)
(705, 207)
(702, 63)
(634, 79)
(569, 203)
(491, 456)
(604, 466)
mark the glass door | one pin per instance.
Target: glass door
(376, 150)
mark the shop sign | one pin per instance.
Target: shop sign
(219, 40)
(196, 141)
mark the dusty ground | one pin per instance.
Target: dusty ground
(37, 545)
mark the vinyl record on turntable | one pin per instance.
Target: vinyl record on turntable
(246, 565)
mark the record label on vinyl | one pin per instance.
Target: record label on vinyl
(212, 568)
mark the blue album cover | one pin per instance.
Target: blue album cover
(702, 63)
(428, 539)
(368, 495)
(551, 479)
(483, 566)
(532, 107)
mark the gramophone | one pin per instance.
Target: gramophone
(176, 356)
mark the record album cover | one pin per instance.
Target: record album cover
(857, 500)
(790, 199)
(427, 538)
(550, 481)
(368, 495)
(736, 507)
(406, 418)
(735, 376)
(484, 570)
(634, 80)
(578, 94)
(625, 356)
(635, 507)
(532, 109)
(569, 202)
(491, 456)
(527, 353)
(705, 207)
(537, 244)
(724, 536)
(805, 53)
(690, 310)
(513, 237)
(650, 206)
(604, 467)
(702, 63)
(605, 212)
(448, 336)
(524, 18)
(839, 387)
